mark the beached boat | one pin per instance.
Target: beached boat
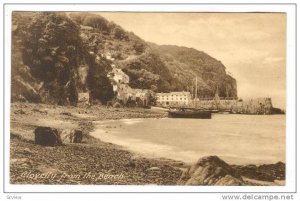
(189, 113)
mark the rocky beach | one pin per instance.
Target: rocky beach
(89, 162)
(96, 162)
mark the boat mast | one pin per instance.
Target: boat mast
(196, 93)
(196, 89)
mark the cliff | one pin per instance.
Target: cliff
(162, 68)
(54, 48)
(188, 63)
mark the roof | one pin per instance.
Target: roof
(175, 93)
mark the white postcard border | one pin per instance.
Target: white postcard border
(291, 95)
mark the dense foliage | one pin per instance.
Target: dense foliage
(53, 50)
(54, 45)
(97, 80)
(148, 72)
(161, 68)
(187, 63)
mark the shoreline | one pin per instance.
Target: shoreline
(156, 138)
(92, 156)
(82, 162)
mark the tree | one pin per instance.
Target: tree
(139, 47)
(119, 33)
(98, 83)
(53, 50)
(98, 22)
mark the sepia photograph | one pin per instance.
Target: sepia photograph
(148, 98)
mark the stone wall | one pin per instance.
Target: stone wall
(252, 106)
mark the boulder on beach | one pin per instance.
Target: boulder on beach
(47, 136)
(76, 136)
(211, 170)
(71, 135)
(266, 172)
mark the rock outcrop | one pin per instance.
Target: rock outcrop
(71, 135)
(187, 63)
(211, 170)
(47, 136)
(43, 68)
(76, 136)
(266, 172)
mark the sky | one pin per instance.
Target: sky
(252, 46)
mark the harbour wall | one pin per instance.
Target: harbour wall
(251, 106)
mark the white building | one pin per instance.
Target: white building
(118, 77)
(173, 98)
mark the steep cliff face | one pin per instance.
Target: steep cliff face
(187, 63)
(49, 49)
(129, 52)
(162, 68)
(24, 86)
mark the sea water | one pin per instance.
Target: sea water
(237, 139)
